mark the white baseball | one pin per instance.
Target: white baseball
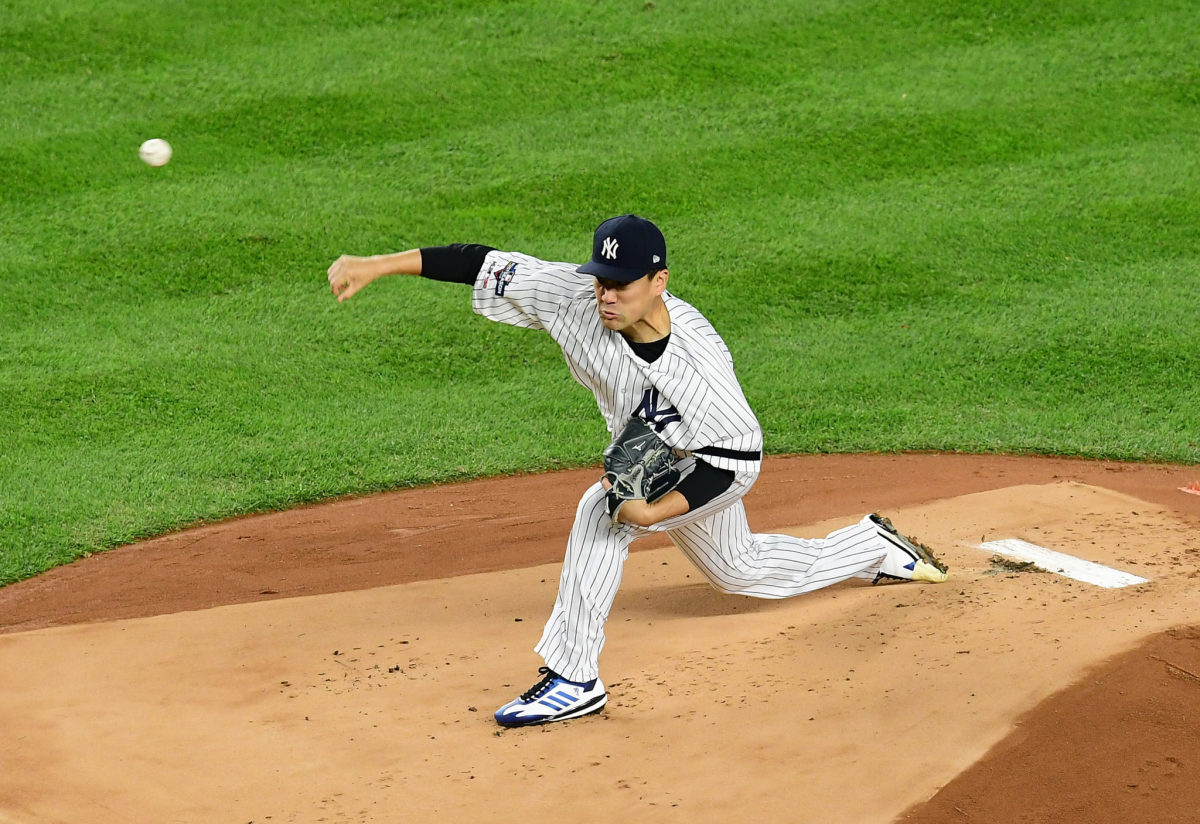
(155, 152)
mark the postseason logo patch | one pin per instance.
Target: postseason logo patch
(504, 276)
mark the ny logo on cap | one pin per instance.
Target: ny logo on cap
(609, 249)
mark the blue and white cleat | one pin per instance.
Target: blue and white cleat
(554, 698)
(908, 559)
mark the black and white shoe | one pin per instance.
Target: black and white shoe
(908, 560)
(553, 698)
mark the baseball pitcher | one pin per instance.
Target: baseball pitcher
(686, 445)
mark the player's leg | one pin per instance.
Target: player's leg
(736, 560)
(591, 573)
(574, 634)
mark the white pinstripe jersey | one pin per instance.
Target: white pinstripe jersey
(690, 394)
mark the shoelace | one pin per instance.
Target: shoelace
(536, 691)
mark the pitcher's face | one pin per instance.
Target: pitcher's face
(622, 305)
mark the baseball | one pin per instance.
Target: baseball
(155, 152)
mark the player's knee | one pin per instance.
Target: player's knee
(592, 504)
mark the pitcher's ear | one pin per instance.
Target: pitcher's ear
(658, 281)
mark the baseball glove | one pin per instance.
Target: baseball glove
(639, 465)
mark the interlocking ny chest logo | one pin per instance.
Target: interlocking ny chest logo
(609, 248)
(652, 413)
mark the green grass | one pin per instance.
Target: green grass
(918, 225)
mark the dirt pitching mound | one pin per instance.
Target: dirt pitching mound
(342, 662)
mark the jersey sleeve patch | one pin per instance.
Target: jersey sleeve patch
(498, 277)
(520, 290)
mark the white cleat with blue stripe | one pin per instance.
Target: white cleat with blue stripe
(554, 698)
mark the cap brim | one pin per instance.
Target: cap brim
(609, 272)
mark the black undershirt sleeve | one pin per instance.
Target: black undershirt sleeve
(456, 263)
(703, 484)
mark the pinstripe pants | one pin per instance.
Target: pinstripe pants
(717, 539)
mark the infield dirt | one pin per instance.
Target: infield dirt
(341, 663)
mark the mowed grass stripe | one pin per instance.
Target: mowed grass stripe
(918, 226)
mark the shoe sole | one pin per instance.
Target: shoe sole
(927, 568)
(594, 705)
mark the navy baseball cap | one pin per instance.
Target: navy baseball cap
(626, 248)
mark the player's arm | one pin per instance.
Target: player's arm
(703, 484)
(350, 273)
(458, 263)
(643, 513)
